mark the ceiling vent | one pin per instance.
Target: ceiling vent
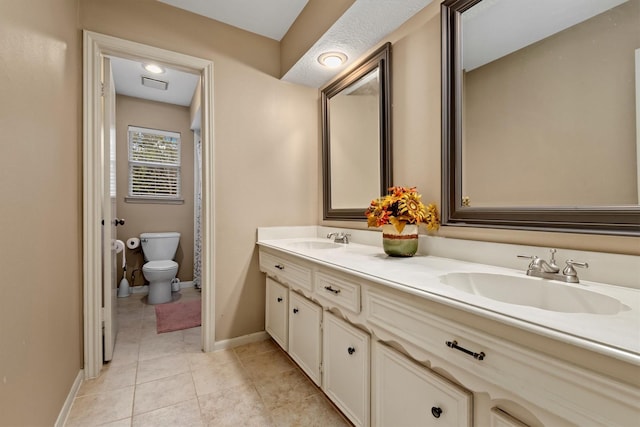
(153, 83)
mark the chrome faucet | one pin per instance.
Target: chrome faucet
(339, 237)
(538, 267)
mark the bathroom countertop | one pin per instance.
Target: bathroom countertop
(614, 335)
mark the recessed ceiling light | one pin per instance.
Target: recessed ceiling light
(332, 59)
(153, 68)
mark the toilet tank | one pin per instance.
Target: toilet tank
(159, 246)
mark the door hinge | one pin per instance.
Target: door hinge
(320, 368)
(102, 316)
(101, 89)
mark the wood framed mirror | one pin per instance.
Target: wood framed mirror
(540, 122)
(356, 138)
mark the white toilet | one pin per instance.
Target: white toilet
(159, 249)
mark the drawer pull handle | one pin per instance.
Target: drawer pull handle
(279, 299)
(330, 289)
(436, 412)
(351, 350)
(279, 266)
(295, 311)
(454, 344)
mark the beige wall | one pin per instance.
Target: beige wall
(154, 217)
(416, 138)
(559, 115)
(266, 142)
(40, 213)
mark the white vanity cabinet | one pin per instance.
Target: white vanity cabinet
(346, 368)
(277, 313)
(404, 393)
(388, 354)
(305, 338)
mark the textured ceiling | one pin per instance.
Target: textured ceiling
(270, 18)
(362, 26)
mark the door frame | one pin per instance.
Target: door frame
(95, 46)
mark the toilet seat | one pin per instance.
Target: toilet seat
(164, 265)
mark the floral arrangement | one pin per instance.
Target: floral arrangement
(400, 207)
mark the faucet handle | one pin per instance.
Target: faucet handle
(533, 259)
(552, 261)
(570, 271)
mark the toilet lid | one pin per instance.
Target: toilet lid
(160, 265)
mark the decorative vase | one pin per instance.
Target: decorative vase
(403, 244)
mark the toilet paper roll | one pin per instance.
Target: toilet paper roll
(120, 248)
(133, 243)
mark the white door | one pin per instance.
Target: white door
(346, 373)
(276, 321)
(110, 221)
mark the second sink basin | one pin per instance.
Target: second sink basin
(539, 293)
(314, 244)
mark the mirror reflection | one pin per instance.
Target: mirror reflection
(355, 143)
(356, 138)
(550, 103)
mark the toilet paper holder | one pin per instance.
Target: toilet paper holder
(133, 243)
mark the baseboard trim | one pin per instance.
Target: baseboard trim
(64, 412)
(238, 341)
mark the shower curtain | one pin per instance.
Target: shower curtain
(197, 210)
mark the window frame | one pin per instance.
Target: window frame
(177, 166)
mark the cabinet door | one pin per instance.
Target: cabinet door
(276, 312)
(406, 394)
(305, 345)
(346, 370)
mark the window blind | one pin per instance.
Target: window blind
(154, 163)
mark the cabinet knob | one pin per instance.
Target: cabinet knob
(436, 412)
(295, 310)
(279, 266)
(279, 299)
(351, 350)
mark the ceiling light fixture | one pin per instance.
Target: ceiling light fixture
(153, 68)
(332, 59)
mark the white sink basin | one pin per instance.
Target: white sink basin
(313, 244)
(533, 292)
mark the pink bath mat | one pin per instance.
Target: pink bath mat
(178, 315)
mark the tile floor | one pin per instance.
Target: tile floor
(165, 380)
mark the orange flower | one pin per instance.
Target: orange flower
(401, 206)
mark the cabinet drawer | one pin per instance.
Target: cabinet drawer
(285, 271)
(338, 291)
(407, 394)
(431, 333)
